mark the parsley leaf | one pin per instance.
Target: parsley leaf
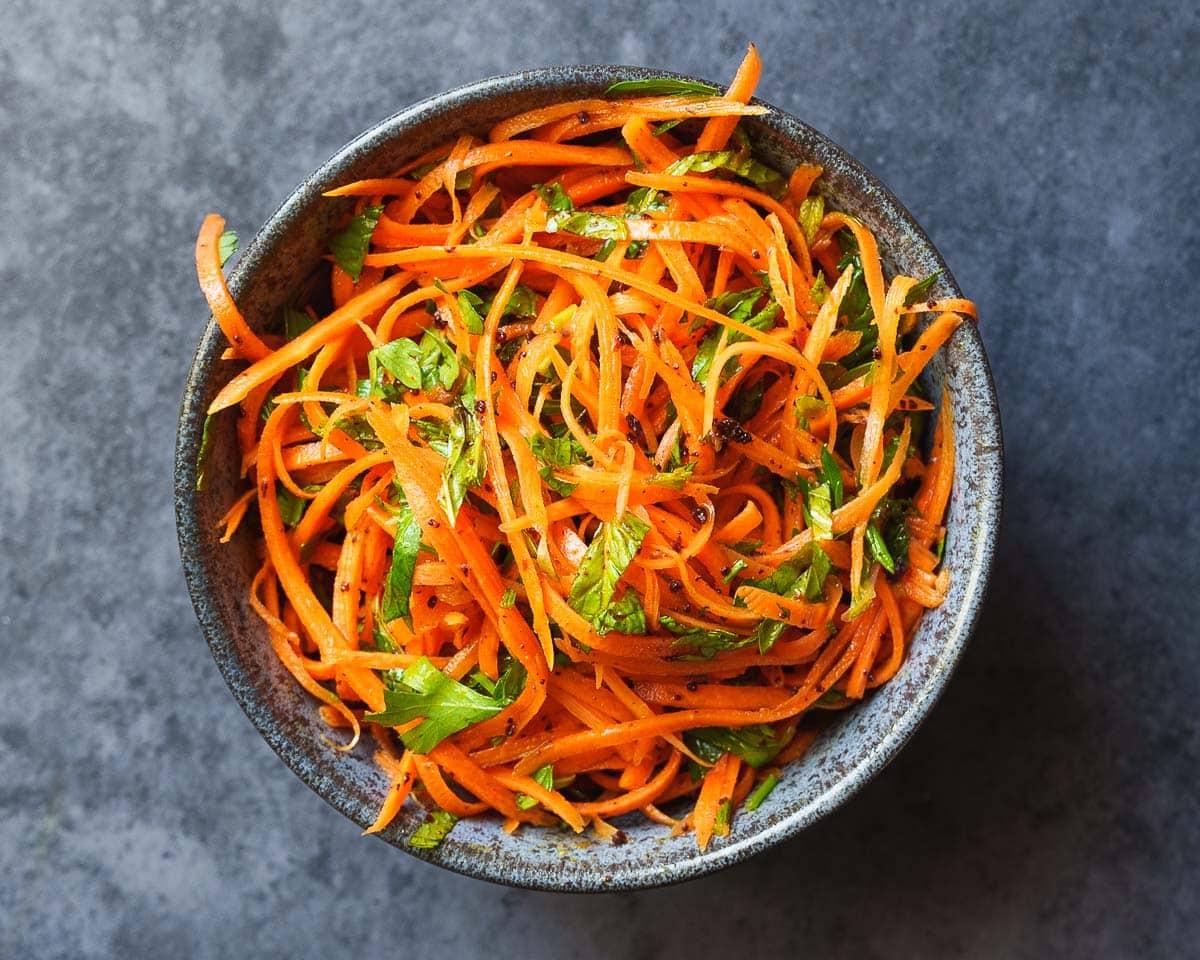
(737, 162)
(291, 507)
(433, 831)
(397, 589)
(600, 225)
(707, 643)
(467, 302)
(295, 322)
(226, 246)
(818, 511)
(801, 577)
(887, 534)
(642, 201)
(465, 462)
(430, 363)
(675, 479)
(736, 309)
(401, 358)
(563, 216)
(831, 476)
(545, 777)
(661, 87)
(624, 614)
(350, 246)
(757, 744)
(564, 451)
(921, 287)
(613, 547)
(812, 210)
(555, 198)
(443, 705)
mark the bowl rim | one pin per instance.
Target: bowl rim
(865, 767)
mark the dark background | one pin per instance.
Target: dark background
(1049, 807)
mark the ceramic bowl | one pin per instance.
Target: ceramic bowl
(854, 746)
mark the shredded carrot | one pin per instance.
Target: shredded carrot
(598, 449)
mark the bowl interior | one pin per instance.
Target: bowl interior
(852, 748)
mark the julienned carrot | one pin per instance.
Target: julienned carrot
(242, 340)
(564, 468)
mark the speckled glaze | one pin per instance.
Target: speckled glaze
(849, 752)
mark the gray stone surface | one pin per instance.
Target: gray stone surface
(1048, 808)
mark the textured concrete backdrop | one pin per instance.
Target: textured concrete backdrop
(1048, 808)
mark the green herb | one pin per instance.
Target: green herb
(737, 567)
(624, 614)
(737, 162)
(226, 246)
(941, 547)
(745, 404)
(878, 548)
(507, 687)
(203, 456)
(544, 776)
(666, 125)
(661, 87)
(758, 744)
(862, 595)
(564, 217)
(555, 198)
(509, 599)
(802, 577)
(599, 225)
(707, 643)
(812, 209)
(439, 362)
(724, 813)
(675, 479)
(763, 320)
(736, 304)
(560, 452)
(400, 358)
(809, 408)
(819, 290)
(818, 511)
(443, 705)
(761, 792)
(887, 534)
(748, 547)
(831, 476)
(433, 831)
(291, 507)
(918, 290)
(397, 589)
(613, 547)
(295, 322)
(350, 246)
(466, 465)
(467, 302)
(889, 453)
(430, 363)
(643, 200)
(811, 583)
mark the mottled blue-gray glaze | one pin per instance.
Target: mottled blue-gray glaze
(846, 755)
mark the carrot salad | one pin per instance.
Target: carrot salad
(593, 470)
